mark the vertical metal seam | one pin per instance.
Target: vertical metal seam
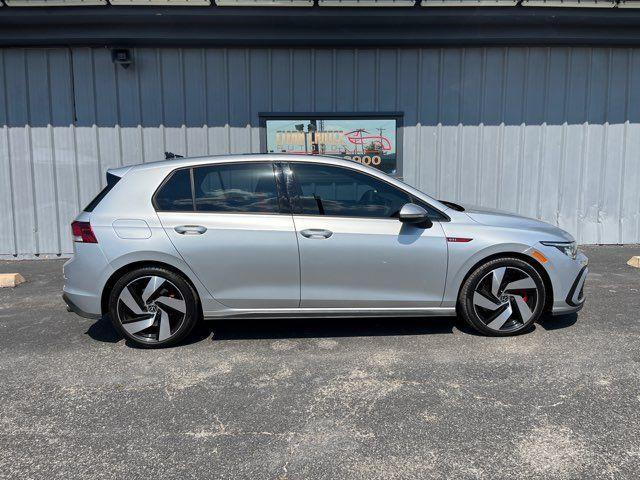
(11, 189)
(247, 73)
(483, 99)
(53, 159)
(563, 155)
(270, 68)
(117, 127)
(524, 108)
(292, 80)
(205, 90)
(139, 93)
(29, 146)
(9, 156)
(397, 89)
(583, 166)
(355, 80)
(463, 56)
(334, 81)
(143, 153)
(94, 89)
(417, 162)
(604, 151)
(228, 97)
(501, 136)
(205, 82)
(183, 90)
(312, 73)
(161, 82)
(376, 100)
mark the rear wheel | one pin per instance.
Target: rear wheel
(153, 307)
(502, 297)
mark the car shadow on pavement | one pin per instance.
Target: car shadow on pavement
(103, 331)
(550, 322)
(328, 327)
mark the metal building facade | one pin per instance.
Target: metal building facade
(547, 132)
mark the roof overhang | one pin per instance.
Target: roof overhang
(304, 27)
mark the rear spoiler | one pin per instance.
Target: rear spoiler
(119, 172)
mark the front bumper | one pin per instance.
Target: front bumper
(568, 276)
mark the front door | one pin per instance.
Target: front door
(235, 232)
(354, 252)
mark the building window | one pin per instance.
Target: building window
(371, 138)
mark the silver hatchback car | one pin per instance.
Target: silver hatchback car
(269, 236)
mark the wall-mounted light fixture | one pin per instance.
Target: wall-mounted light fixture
(122, 57)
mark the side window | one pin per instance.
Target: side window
(244, 188)
(329, 190)
(175, 194)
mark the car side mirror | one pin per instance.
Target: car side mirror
(415, 215)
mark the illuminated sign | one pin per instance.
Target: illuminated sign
(369, 140)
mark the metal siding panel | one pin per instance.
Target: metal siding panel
(83, 91)
(7, 234)
(172, 74)
(547, 132)
(281, 80)
(239, 89)
(387, 80)
(20, 151)
(302, 81)
(323, 80)
(631, 179)
(260, 88)
(345, 93)
(195, 92)
(365, 83)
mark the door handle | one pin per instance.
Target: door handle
(190, 229)
(316, 233)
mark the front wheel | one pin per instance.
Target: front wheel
(153, 307)
(502, 297)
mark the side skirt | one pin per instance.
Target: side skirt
(330, 312)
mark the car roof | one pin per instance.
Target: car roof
(235, 158)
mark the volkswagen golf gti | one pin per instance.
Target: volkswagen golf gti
(166, 244)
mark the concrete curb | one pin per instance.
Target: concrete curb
(10, 279)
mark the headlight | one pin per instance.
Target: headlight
(570, 249)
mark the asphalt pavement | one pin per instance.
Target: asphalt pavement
(366, 399)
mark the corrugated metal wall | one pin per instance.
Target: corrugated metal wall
(552, 133)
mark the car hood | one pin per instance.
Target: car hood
(499, 218)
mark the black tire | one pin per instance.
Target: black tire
(479, 318)
(182, 322)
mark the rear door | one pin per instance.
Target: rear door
(231, 226)
(354, 252)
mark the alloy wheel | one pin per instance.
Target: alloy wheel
(151, 309)
(505, 299)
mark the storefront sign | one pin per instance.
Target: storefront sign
(371, 141)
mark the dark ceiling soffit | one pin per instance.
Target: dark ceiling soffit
(302, 27)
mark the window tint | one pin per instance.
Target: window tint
(175, 194)
(249, 187)
(111, 182)
(328, 190)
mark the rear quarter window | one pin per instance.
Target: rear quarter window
(111, 182)
(175, 193)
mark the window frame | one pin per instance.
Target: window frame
(293, 186)
(284, 205)
(398, 116)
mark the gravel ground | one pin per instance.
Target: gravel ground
(323, 399)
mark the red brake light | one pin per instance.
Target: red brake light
(82, 232)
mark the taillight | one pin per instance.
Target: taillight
(82, 232)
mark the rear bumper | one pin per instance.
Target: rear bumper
(75, 309)
(85, 275)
